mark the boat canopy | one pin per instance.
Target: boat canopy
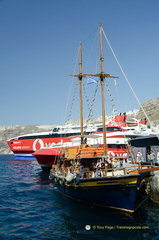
(146, 141)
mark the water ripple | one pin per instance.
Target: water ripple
(32, 208)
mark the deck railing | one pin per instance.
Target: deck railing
(106, 172)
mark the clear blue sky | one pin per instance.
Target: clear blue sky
(38, 45)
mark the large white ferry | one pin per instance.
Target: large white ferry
(23, 146)
(116, 144)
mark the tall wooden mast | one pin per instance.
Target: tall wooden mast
(80, 76)
(80, 84)
(102, 77)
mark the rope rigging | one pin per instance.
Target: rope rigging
(73, 100)
(70, 91)
(114, 111)
(90, 107)
(124, 74)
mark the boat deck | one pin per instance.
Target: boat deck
(128, 169)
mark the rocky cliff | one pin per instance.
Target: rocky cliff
(151, 108)
(7, 132)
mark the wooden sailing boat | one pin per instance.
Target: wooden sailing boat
(85, 173)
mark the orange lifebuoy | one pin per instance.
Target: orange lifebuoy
(87, 145)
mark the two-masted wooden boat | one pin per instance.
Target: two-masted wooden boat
(87, 174)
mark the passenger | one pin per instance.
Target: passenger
(81, 170)
(125, 155)
(138, 157)
(99, 165)
(121, 162)
(98, 169)
(152, 158)
(71, 168)
(157, 155)
(102, 165)
(148, 157)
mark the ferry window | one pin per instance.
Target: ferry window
(55, 129)
(113, 129)
(100, 130)
(110, 129)
(118, 146)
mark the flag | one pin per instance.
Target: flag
(91, 80)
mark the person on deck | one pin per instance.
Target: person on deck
(71, 168)
(99, 164)
(98, 168)
(121, 162)
(152, 158)
(81, 170)
(138, 158)
(157, 155)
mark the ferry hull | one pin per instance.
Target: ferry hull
(46, 161)
(25, 157)
(28, 144)
(48, 157)
(24, 148)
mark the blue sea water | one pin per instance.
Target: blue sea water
(32, 208)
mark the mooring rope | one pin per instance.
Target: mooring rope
(154, 200)
(142, 202)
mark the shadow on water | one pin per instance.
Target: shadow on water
(102, 223)
(42, 177)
